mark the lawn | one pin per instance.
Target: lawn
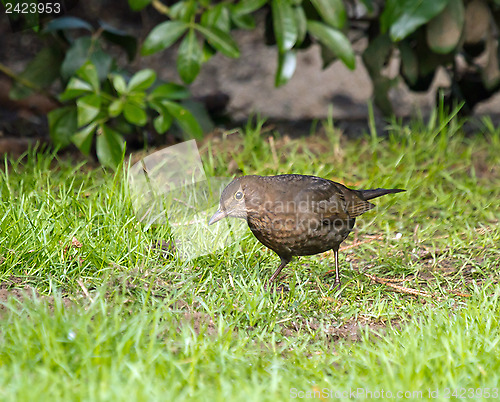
(92, 310)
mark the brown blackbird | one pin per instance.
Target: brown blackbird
(296, 215)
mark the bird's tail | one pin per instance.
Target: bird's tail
(377, 192)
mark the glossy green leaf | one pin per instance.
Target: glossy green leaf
(189, 58)
(170, 91)
(208, 51)
(218, 17)
(62, 125)
(403, 17)
(88, 107)
(83, 138)
(119, 83)
(88, 73)
(109, 146)
(332, 12)
(142, 80)
(184, 119)
(286, 67)
(163, 36)
(163, 122)
(245, 21)
(183, 10)
(284, 24)
(247, 6)
(137, 98)
(75, 88)
(335, 40)
(116, 107)
(220, 40)
(134, 114)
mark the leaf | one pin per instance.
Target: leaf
(189, 58)
(170, 91)
(88, 73)
(163, 122)
(134, 114)
(332, 12)
(184, 118)
(183, 10)
(286, 67)
(67, 23)
(119, 84)
(207, 51)
(217, 17)
(301, 21)
(76, 56)
(137, 5)
(109, 146)
(245, 21)
(245, 7)
(88, 107)
(83, 138)
(220, 40)
(75, 88)
(411, 14)
(445, 30)
(120, 38)
(285, 27)
(116, 107)
(62, 125)
(335, 40)
(42, 70)
(141, 80)
(163, 36)
(102, 62)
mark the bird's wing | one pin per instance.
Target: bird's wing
(330, 199)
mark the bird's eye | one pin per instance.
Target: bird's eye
(238, 195)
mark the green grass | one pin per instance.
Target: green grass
(118, 320)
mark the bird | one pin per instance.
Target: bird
(296, 215)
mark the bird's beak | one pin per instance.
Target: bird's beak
(220, 214)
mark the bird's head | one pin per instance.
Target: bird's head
(233, 200)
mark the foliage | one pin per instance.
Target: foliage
(292, 25)
(104, 100)
(99, 99)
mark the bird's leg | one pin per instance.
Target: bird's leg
(336, 284)
(284, 261)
